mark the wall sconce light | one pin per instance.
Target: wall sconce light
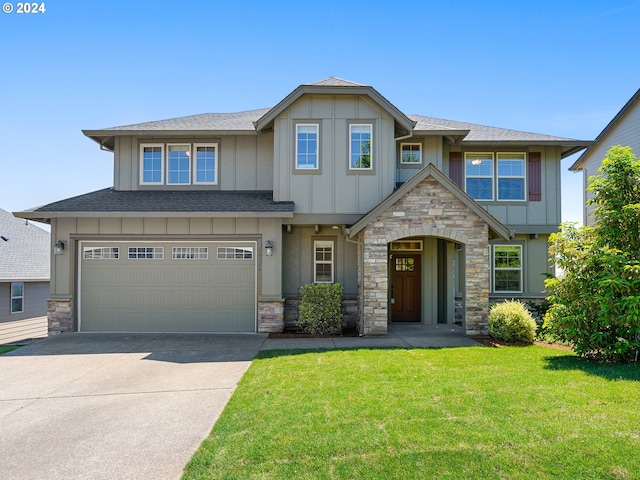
(58, 247)
(269, 247)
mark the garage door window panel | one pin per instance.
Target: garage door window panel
(146, 253)
(101, 253)
(235, 253)
(190, 253)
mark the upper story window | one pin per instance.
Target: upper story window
(360, 147)
(17, 297)
(479, 175)
(511, 167)
(410, 153)
(307, 146)
(183, 164)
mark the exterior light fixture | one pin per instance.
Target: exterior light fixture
(269, 247)
(58, 247)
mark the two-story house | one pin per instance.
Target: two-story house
(623, 129)
(215, 221)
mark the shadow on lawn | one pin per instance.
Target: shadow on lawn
(610, 372)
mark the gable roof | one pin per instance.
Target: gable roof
(431, 170)
(166, 203)
(24, 250)
(577, 165)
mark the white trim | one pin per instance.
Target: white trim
(317, 128)
(419, 145)
(316, 262)
(141, 161)
(492, 177)
(194, 163)
(493, 269)
(524, 176)
(370, 125)
(189, 156)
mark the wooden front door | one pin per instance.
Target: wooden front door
(405, 288)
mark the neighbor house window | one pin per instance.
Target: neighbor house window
(178, 164)
(479, 175)
(17, 297)
(146, 253)
(307, 147)
(360, 147)
(323, 261)
(151, 164)
(410, 153)
(507, 268)
(511, 176)
(206, 164)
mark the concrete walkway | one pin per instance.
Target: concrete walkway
(137, 406)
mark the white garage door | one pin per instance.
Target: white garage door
(167, 287)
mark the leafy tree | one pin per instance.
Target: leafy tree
(596, 304)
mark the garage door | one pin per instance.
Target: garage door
(167, 287)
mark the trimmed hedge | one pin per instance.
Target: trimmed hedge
(320, 311)
(511, 322)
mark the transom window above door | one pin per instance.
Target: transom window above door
(179, 164)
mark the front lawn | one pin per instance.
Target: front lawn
(514, 412)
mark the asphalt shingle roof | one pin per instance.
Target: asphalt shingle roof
(109, 200)
(24, 249)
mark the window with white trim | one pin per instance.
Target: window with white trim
(323, 261)
(307, 146)
(206, 164)
(479, 175)
(360, 147)
(151, 164)
(511, 176)
(101, 253)
(410, 153)
(146, 253)
(190, 253)
(235, 253)
(507, 268)
(178, 164)
(17, 297)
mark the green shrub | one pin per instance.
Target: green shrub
(511, 322)
(320, 311)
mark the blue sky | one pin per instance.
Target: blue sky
(562, 68)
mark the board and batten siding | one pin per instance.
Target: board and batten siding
(245, 162)
(333, 188)
(32, 323)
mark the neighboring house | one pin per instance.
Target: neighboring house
(623, 130)
(24, 279)
(215, 221)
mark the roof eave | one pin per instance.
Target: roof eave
(42, 216)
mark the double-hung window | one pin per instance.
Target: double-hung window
(306, 147)
(507, 268)
(410, 153)
(152, 164)
(360, 137)
(17, 297)
(179, 165)
(206, 165)
(511, 168)
(479, 175)
(323, 261)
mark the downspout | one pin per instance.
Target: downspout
(346, 232)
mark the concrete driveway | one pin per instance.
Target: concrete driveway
(115, 405)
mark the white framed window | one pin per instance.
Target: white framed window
(101, 253)
(17, 297)
(190, 253)
(360, 147)
(206, 164)
(178, 164)
(235, 253)
(478, 168)
(410, 153)
(146, 253)
(507, 268)
(511, 176)
(307, 146)
(151, 164)
(323, 261)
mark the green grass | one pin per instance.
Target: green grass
(7, 348)
(507, 413)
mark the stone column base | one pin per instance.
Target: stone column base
(59, 315)
(271, 316)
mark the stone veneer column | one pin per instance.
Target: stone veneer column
(59, 315)
(375, 284)
(271, 316)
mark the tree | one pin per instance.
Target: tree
(596, 303)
